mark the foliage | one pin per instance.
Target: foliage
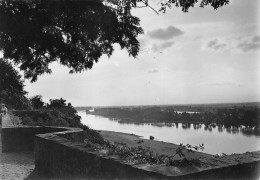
(57, 113)
(140, 155)
(180, 150)
(183, 4)
(93, 137)
(57, 103)
(37, 102)
(12, 91)
(186, 4)
(76, 34)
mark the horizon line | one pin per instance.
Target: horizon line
(179, 104)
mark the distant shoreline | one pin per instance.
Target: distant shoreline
(215, 105)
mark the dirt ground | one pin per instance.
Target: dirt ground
(14, 165)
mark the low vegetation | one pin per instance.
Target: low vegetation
(56, 113)
(143, 155)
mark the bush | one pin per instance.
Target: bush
(28, 121)
(93, 136)
(57, 113)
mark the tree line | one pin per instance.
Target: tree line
(226, 116)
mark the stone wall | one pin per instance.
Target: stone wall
(61, 153)
(58, 157)
(22, 138)
(248, 171)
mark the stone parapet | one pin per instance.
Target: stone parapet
(57, 157)
(22, 138)
(60, 152)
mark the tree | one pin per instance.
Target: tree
(75, 33)
(12, 91)
(36, 102)
(57, 103)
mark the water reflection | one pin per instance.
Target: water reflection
(244, 130)
(249, 131)
(217, 138)
(186, 125)
(177, 125)
(235, 130)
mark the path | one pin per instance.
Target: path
(14, 165)
(6, 121)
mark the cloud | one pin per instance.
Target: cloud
(164, 34)
(216, 45)
(152, 71)
(256, 39)
(161, 47)
(252, 44)
(248, 46)
(242, 44)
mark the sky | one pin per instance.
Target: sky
(203, 56)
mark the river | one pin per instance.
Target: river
(216, 140)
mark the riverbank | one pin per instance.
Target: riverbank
(208, 161)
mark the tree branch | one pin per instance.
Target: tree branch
(147, 5)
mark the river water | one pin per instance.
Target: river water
(216, 139)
